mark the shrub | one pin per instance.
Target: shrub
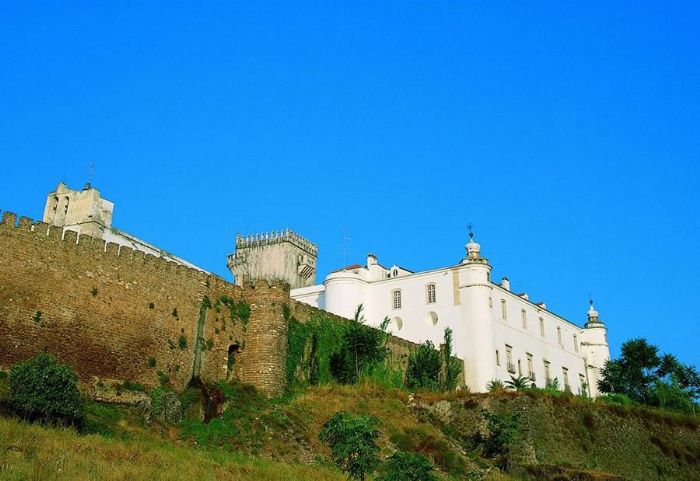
(353, 443)
(495, 385)
(424, 366)
(619, 399)
(502, 429)
(403, 466)
(182, 342)
(42, 389)
(151, 362)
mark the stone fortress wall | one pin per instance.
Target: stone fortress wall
(111, 312)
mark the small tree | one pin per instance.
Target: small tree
(424, 366)
(353, 443)
(361, 346)
(453, 367)
(42, 389)
(647, 377)
(403, 466)
(519, 383)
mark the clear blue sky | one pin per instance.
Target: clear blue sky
(566, 132)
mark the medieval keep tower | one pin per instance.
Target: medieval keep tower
(278, 255)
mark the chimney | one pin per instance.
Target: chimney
(371, 260)
(505, 283)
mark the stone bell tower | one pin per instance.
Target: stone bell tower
(278, 255)
(83, 211)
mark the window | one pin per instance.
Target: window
(430, 294)
(565, 374)
(559, 336)
(520, 369)
(504, 310)
(583, 386)
(547, 373)
(396, 298)
(523, 314)
(509, 359)
(575, 343)
(530, 367)
(541, 327)
(498, 358)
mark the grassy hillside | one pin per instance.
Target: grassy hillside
(557, 438)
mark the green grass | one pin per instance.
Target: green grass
(33, 452)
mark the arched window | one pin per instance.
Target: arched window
(430, 297)
(431, 318)
(541, 327)
(504, 310)
(523, 314)
(397, 322)
(396, 298)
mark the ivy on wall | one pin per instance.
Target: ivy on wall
(238, 311)
(310, 346)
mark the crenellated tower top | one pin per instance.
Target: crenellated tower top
(275, 255)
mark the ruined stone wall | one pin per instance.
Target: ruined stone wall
(111, 312)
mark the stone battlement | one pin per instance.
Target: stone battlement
(88, 243)
(276, 237)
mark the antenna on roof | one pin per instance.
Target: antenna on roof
(91, 168)
(346, 240)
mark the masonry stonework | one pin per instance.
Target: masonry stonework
(109, 311)
(112, 312)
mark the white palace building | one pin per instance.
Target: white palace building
(497, 333)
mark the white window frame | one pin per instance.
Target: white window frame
(396, 299)
(430, 293)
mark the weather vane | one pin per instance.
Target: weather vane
(471, 230)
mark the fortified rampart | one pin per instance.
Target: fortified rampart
(112, 312)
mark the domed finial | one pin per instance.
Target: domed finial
(592, 313)
(473, 249)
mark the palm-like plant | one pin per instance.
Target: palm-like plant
(518, 383)
(495, 385)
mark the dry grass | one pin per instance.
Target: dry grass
(31, 452)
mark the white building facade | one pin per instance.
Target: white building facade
(497, 333)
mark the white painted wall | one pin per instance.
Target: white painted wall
(469, 303)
